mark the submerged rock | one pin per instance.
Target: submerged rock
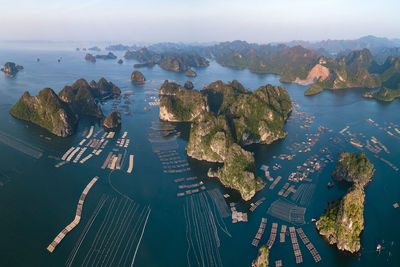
(137, 77)
(90, 57)
(112, 121)
(262, 259)
(353, 168)
(46, 110)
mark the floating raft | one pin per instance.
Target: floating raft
(295, 244)
(282, 234)
(73, 153)
(130, 168)
(260, 232)
(75, 222)
(86, 158)
(90, 132)
(272, 237)
(64, 157)
(124, 135)
(309, 245)
(272, 186)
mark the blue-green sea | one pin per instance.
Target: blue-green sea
(37, 200)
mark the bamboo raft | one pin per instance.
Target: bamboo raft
(82, 142)
(79, 155)
(64, 157)
(260, 232)
(73, 153)
(130, 168)
(272, 236)
(282, 235)
(283, 189)
(278, 263)
(90, 132)
(309, 245)
(110, 135)
(106, 162)
(124, 135)
(258, 203)
(272, 186)
(86, 158)
(295, 244)
(75, 222)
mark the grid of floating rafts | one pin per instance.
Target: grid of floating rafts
(114, 240)
(260, 232)
(20, 145)
(295, 244)
(93, 144)
(287, 211)
(309, 245)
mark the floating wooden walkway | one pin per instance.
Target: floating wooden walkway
(309, 245)
(130, 168)
(272, 236)
(64, 157)
(272, 186)
(260, 232)
(75, 222)
(69, 158)
(282, 235)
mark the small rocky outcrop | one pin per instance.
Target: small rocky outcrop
(262, 259)
(190, 73)
(239, 172)
(112, 121)
(90, 57)
(110, 55)
(188, 85)
(137, 77)
(120, 61)
(81, 99)
(180, 104)
(11, 69)
(47, 111)
(353, 168)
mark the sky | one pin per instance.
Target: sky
(260, 21)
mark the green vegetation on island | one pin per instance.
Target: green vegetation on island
(226, 116)
(262, 259)
(137, 77)
(343, 221)
(112, 121)
(384, 94)
(59, 113)
(47, 111)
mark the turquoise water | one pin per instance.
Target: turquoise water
(38, 200)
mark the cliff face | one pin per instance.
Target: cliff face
(180, 104)
(239, 172)
(210, 138)
(343, 221)
(137, 77)
(226, 117)
(81, 99)
(110, 55)
(260, 117)
(262, 259)
(182, 62)
(10, 69)
(104, 88)
(47, 111)
(353, 168)
(90, 57)
(113, 120)
(190, 73)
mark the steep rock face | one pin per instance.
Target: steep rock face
(137, 77)
(90, 57)
(113, 120)
(353, 168)
(181, 62)
(142, 55)
(190, 73)
(210, 138)
(180, 104)
(239, 172)
(10, 69)
(262, 259)
(384, 94)
(104, 88)
(343, 221)
(188, 85)
(81, 99)
(47, 111)
(260, 117)
(318, 72)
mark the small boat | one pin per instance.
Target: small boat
(330, 184)
(379, 248)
